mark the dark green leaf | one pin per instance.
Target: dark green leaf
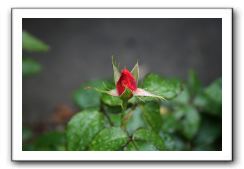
(109, 139)
(50, 141)
(167, 88)
(32, 44)
(152, 116)
(30, 67)
(209, 132)
(114, 113)
(82, 128)
(149, 136)
(135, 120)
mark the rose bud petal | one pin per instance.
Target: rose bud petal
(126, 80)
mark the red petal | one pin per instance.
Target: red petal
(126, 80)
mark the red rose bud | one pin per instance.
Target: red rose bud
(126, 80)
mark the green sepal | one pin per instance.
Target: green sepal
(135, 72)
(116, 70)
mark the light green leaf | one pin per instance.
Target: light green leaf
(152, 116)
(167, 88)
(30, 67)
(32, 44)
(82, 128)
(109, 139)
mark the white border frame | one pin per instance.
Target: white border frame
(224, 155)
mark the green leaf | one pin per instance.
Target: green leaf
(32, 44)
(86, 96)
(149, 136)
(151, 114)
(82, 128)
(210, 131)
(167, 88)
(190, 122)
(210, 100)
(135, 72)
(170, 123)
(116, 70)
(50, 141)
(183, 97)
(26, 134)
(173, 142)
(194, 83)
(214, 91)
(140, 146)
(114, 113)
(111, 100)
(109, 139)
(135, 120)
(30, 67)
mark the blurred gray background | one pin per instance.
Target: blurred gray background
(81, 50)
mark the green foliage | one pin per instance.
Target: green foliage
(50, 141)
(152, 116)
(109, 139)
(210, 99)
(190, 119)
(86, 96)
(31, 43)
(82, 128)
(135, 120)
(30, 67)
(167, 88)
(149, 136)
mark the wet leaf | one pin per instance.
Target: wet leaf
(152, 116)
(109, 139)
(82, 128)
(149, 136)
(167, 88)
